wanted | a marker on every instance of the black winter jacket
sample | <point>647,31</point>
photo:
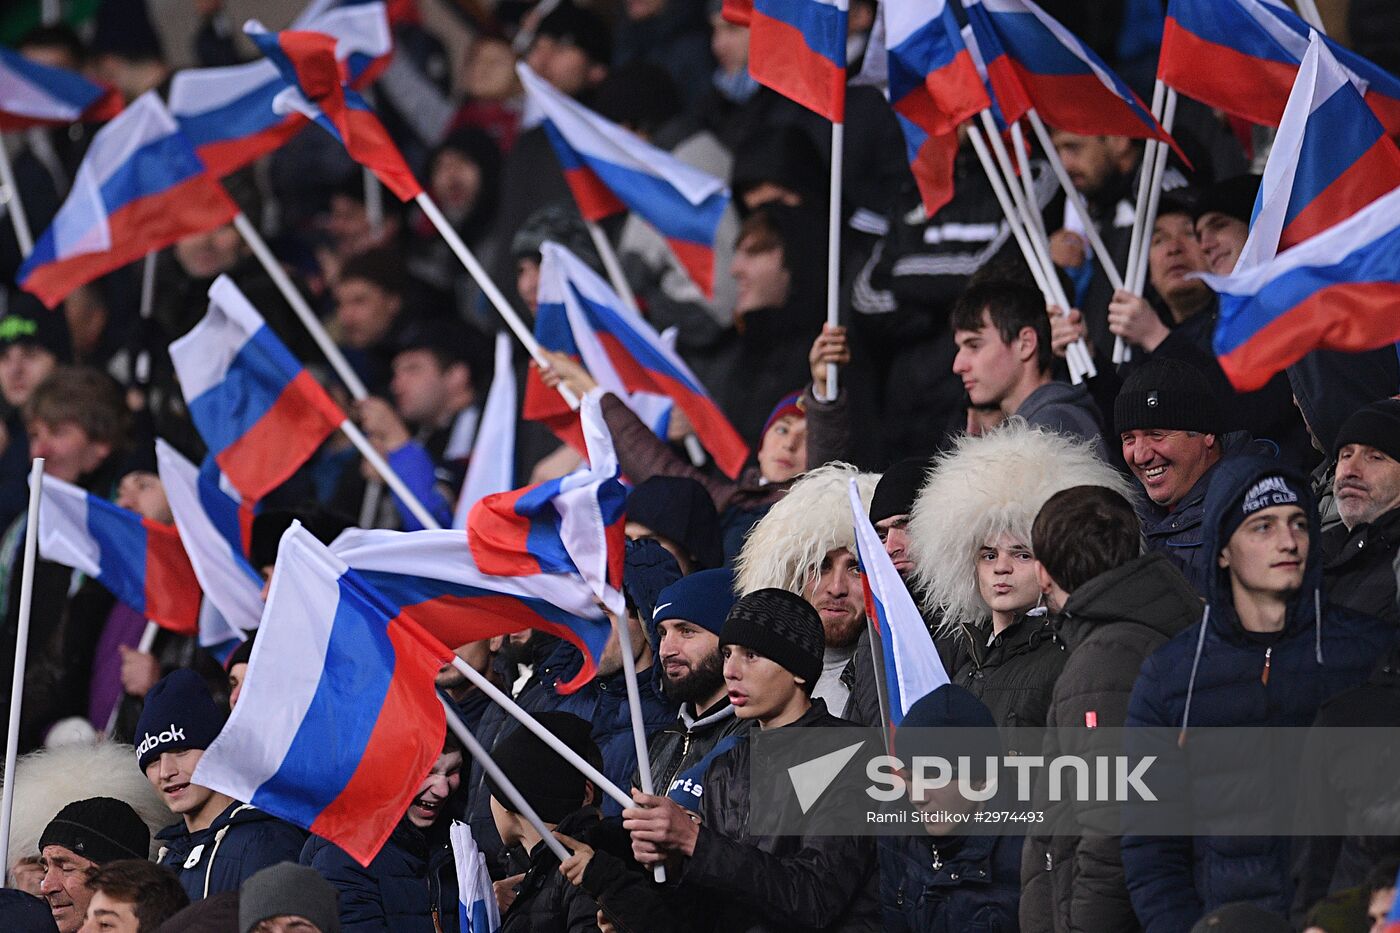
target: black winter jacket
<point>1014,672</point>
<point>241,841</point>
<point>411,886</point>
<point>1322,650</point>
<point>1363,567</point>
<point>1109,625</point>
<point>545,901</point>
<point>681,745</point>
<point>764,884</point>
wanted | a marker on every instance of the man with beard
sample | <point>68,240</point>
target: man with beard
<point>688,618</point>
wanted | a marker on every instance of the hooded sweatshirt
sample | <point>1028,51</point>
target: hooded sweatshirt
<point>1217,674</point>
<point>1068,409</point>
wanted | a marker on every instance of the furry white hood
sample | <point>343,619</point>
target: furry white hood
<point>984,486</point>
<point>787,545</point>
<point>52,778</point>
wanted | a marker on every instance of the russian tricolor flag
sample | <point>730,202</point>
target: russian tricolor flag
<point>610,170</point>
<point>200,508</point>
<point>140,187</point>
<point>634,352</point>
<point>315,86</point>
<point>228,113</point>
<point>433,578</point>
<point>1242,56</point>
<point>1331,158</point>
<point>910,667</point>
<point>932,84</point>
<point>257,408</point>
<point>476,898</point>
<point>338,720</point>
<point>1061,77</point>
<point>32,94</point>
<point>571,525</point>
<point>492,465</point>
<point>1336,291</point>
<point>141,562</point>
<point>798,48</point>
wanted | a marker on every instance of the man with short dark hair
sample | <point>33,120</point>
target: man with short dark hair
<point>132,896</point>
<point>1114,608</point>
<point>369,302</point>
<point>84,836</point>
<point>1004,359</point>
<point>1363,556</point>
<point>1222,220</point>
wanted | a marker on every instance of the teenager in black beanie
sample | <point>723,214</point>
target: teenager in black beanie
<point>772,644</point>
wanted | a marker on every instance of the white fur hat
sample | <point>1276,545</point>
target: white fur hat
<point>985,486</point>
<point>51,778</point>
<point>787,545</point>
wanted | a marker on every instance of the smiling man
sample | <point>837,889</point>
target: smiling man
<point>84,836</point>
<point>178,722</point>
<point>1169,425</point>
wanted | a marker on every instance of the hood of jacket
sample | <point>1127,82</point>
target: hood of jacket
<point>1233,477</point>
<point>1148,591</point>
<point>1055,394</point>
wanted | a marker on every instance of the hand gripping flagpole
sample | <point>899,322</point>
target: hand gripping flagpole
<point>489,289</point>
<point>1146,172</point>
<point>493,770</point>
<point>833,247</point>
<point>15,203</point>
<point>338,362</point>
<point>26,598</point>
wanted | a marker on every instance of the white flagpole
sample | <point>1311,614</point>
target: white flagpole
<point>1159,168</point>
<point>833,247</point>
<point>148,638</point>
<point>489,289</point>
<point>15,203</point>
<point>544,735</point>
<point>1115,278</point>
<point>634,706</point>
<point>1023,166</point>
<point>488,764</point>
<point>611,265</point>
<point>374,202</point>
<point>386,472</point>
<point>26,598</point>
<point>1121,351</point>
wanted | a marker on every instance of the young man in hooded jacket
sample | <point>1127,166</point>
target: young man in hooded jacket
<point>1269,652</point>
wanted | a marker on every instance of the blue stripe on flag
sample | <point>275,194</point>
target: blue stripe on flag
<point>256,377</point>
<point>121,540</point>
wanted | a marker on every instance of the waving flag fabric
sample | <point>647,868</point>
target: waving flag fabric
<point>433,578</point>
<point>1331,158</point>
<point>32,94</point>
<point>610,170</point>
<point>634,352</point>
<point>1336,291</point>
<point>139,561</point>
<point>910,666</point>
<point>562,526</point>
<point>738,12</point>
<point>228,113</point>
<point>798,48</point>
<point>338,720</point>
<point>315,87</point>
<point>492,466</point>
<point>1068,84</point>
<point>476,899</point>
<point>258,410</point>
<point>232,584</point>
<point>1253,49</point>
<point>140,187</point>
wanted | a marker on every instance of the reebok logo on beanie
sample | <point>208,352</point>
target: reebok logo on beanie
<point>152,742</point>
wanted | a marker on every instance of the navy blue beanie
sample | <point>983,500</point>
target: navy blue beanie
<point>179,714</point>
<point>704,598</point>
<point>949,722</point>
<point>678,508</point>
<point>647,569</point>
<point>25,913</point>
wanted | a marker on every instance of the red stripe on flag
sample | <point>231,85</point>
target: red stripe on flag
<point>780,59</point>
<point>281,440</point>
<point>948,97</point>
<point>595,199</point>
<point>1216,75</point>
<point>498,538</point>
<point>172,590</point>
<point>933,171</point>
<point>738,12</point>
<point>698,261</point>
<point>547,407</point>
<point>193,206</point>
<point>369,143</point>
<point>1376,173</point>
<point>1386,109</point>
<point>99,111</point>
<point>1071,102</point>
<point>406,740</point>
<point>1012,97</point>
<point>229,155</point>
<point>1351,316</point>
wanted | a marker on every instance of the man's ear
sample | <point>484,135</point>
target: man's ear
<point>1043,577</point>
<point>1027,344</point>
<point>1223,561</point>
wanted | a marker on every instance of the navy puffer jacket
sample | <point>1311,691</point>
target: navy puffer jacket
<point>1213,674</point>
<point>240,842</point>
<point>967,884</point>
<point>410,887</point>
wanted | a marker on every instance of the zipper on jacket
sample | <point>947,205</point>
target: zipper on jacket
<point>1264,676</point>
<point>437,926</point>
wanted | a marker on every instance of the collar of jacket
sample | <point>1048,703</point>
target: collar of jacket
<point>717,713</point>
<point>1382,535</point>
<point>234,814</point>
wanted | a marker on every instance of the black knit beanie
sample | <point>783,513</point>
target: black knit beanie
<point>1169,395</point>
<point>551,785</point>
<point>100,829</point>
<point>1377,425</point>
<point>781,626</point>
<point>1233,197</point>
<point>898,488</point>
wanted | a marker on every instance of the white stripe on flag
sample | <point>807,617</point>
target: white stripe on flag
<point>492,466</point>
<point>202,357</point>
<point>473,880</point>
<point>63,528</point>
